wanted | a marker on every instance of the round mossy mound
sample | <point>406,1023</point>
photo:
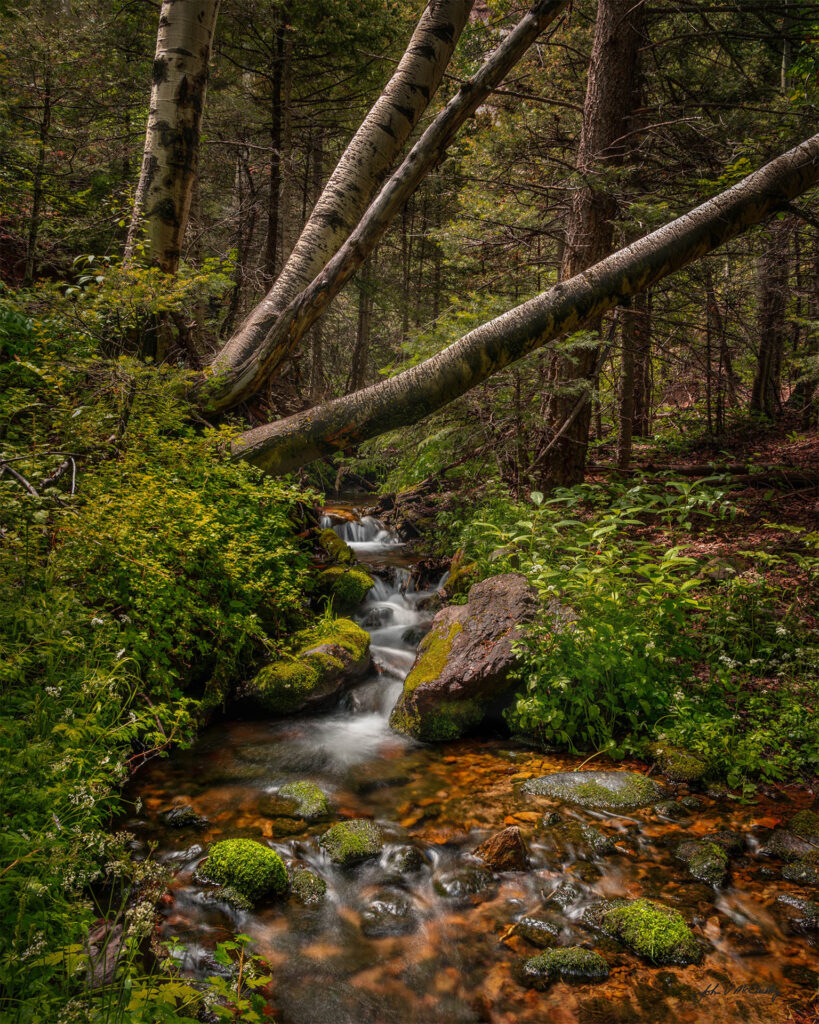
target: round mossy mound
<point>335,547</point>
<point>650,929</point>
<point>677,765</point>
<point>706,861</point>
<point>349,842</point>
<point>307,887</point>
<point>248,867</point>
<point>568,964</point>
<point>310,802</point>
<point>346,587</point>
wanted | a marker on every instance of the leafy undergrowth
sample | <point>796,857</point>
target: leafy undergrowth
<point>676,637</point>
<point>133,587</point>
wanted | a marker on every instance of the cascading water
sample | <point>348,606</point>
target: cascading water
<point>431,937</point>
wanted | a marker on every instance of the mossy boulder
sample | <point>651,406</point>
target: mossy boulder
<point>677,765</point>
<point>249,867</point>
<point>572,963</point>
<point>599,791</point>
<point>349,842</point>
<point>347,588</point>
<point>310,802</point>
<point>804,871</point>
<point>805,824</point>
<point>462,670</point>
<point>319,671</point>
<point>306,886</point>
<point>652,930</point>
<point>335,547</point>
<point>706,861</point>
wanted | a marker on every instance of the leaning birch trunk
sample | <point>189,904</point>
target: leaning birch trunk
<point>171,155</point>
<point>227,386</point>
<point>360,170</point>
<point>416,393</point>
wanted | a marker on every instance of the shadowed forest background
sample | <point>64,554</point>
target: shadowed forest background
<point>653,468</point>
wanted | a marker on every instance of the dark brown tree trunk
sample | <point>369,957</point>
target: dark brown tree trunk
<point>271,247</point>
<point>38,184</point>
<point>772,283</point>
<point>610,99</point>
<point>361,350</point>
<point>316,334</point>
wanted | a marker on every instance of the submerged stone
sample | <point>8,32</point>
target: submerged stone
<point>252,869</point>
<point>805,824</point>
<point>787,845</point>
<point>601,791</point>
<point>388,913</point>
<point>464,882</point>
<point>504,851</point>
<point>804,871</point>
<point>352,841</point>
<point>184,817</point>
<point>311,803</point>
<point>574,839</point>
<point>565,895</point>
<point>228,895</point>
<point>734,843</point>
<point>403,860</point>
<point>306,886</point>
<point>706,861</point>
<point>650,929</point>
<point>569,964</point>
<point>802,914</point>
<point>672,809</point>
<point>539,930</point>
<point>462,670</point>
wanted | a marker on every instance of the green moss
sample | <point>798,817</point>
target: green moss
<point>653,931</point>
<point>433,653</point>
<point>283,686</point>
<point>804,871</point>
<point>598,790</point>
<point>335,547</point>
<point>461,578</point>
<point>306,886</point>
<point>706,861</point>
<point>584,840</point>
<point>248,867</point>
<point>351,841</point>
<point>309,799</point>
<point>346,587</point>
<point>678,765</point>
<point>341,632</point>
<point>231,895</point>
<point>569,964</point>
<point>805,824</point>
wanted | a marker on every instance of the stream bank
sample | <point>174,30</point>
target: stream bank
<point>424,931</point>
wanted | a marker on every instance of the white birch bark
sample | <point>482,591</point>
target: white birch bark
<point>171,154</point>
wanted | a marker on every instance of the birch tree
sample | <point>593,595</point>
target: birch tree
<point>171,154</point>
<point>570,305</point>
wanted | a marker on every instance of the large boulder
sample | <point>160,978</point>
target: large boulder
<point>461,672</point>
<point>318,672</point>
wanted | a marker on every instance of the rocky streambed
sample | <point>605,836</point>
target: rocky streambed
<point>479,880</point>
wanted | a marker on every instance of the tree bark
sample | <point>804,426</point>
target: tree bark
<point>361,349</point>
<point>275,180</point>
<point>38,183</point>
<point>231,382</point>
<point>359,172</point>
<point>171,155</point>
<point>772,281</point>
<point>611,96</point>
<point>423,389</point>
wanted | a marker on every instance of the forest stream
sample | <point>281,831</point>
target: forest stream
<point>427,936</point>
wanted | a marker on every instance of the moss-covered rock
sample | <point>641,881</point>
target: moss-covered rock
<point>463,666</point>
<point>572,963</point>
<point>804,871</point>
<point>311,803</point>
<point>650,929</point>
<point>805,824</point>
<point>306,886</point>
<point>706,861</point>
<point>577,840</point>
<point>335,547</point>
<point>184,817</point>
<point>228,895</point>
<point>247,866</point>
<point>464,883</point>
<point>347,588</point>
<point>319,670</point>
<point>600,791</point>
<point>677,765</point>
<point>349,842</point>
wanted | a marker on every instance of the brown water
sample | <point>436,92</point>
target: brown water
<point>456,960</point>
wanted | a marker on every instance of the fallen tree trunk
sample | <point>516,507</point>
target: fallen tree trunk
<point>416,393</point>
<point>234,379</point>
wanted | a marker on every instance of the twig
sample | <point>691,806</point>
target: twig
<point>6,468</point>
